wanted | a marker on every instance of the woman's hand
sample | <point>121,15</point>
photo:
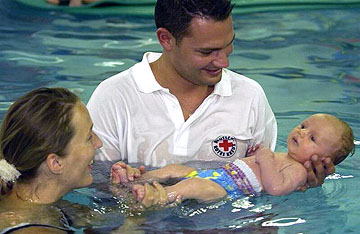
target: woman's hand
<point>150,195</point>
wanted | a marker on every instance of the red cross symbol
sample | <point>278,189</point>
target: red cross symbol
<point>226,145</point>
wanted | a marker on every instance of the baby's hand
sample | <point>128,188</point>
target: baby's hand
<point>123,173</point>
<point>263,154</point>
<point>251,151</point>
<point>150,195</point>
<point>138,191</point>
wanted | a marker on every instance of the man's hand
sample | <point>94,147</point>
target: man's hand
<point>251,151</point>
<point>317,170</point>
<point>123,173</point>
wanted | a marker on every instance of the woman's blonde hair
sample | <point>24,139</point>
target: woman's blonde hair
<point>37,124</point>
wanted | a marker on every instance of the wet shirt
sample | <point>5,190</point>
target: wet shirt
<point>142,122</point>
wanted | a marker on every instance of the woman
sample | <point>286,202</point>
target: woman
<point>46,149</point>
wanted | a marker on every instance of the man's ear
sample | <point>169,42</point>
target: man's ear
<point>166,39</point>
<point>55,163</point>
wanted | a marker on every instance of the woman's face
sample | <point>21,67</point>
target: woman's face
<point>81,150</point>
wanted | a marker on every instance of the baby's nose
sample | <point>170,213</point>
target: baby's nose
<point>303,132</point>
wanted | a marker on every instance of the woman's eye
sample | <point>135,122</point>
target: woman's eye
<point>302,126</point>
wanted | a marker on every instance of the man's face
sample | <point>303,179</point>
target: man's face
<point>202,54</point>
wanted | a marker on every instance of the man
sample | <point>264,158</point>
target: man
<point>183,104</point>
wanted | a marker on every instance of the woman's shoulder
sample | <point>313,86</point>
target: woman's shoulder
<point>26,215</point>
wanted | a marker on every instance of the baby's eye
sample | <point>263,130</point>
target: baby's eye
<point>302,126</point>
<point>312,138</point>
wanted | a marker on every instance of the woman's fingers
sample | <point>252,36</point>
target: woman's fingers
<point>162,193</point>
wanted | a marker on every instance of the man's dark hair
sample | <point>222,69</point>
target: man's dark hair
<point>176,15</point>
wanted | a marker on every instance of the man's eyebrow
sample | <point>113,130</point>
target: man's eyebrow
<point>219,48</point>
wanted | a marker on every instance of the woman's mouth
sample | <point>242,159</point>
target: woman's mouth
<point>90,164</point>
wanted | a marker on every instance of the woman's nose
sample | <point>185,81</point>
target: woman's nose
<point>97,142</point>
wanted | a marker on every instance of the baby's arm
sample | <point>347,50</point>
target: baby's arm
<point>275,182</point>
<point>168,172</point>
<point>123,173</point>
<point>200,189</point>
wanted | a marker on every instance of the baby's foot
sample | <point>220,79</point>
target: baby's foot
<point>139,192</point>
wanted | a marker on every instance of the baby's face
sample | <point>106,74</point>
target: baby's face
<point>318,135</point>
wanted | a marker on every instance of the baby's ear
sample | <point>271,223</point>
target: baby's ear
<point>54,163</point>
<point>339,159</point>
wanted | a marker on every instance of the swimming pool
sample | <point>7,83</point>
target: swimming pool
<point>306,61</point>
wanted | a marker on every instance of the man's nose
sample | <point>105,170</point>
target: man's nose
<point>221,57</point>
<point>221,60</point>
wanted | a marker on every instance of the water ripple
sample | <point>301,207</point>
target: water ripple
<point>30,58</point>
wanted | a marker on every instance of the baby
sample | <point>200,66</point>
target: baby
<point>277,174</point>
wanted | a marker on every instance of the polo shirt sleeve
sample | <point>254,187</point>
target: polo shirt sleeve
<point>103,110</point>
<point>265,130</point>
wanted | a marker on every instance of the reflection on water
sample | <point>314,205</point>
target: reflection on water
<point>307,62</point>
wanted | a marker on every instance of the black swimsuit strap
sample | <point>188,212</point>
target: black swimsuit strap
<point>27,225</point>
<point>65,221</point>
<point>64,2</point>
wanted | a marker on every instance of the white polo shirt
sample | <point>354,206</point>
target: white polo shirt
<point>142,122</point>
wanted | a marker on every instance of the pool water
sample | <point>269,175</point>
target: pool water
<point>306,61</point>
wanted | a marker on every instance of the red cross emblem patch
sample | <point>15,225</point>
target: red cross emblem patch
<point>224,146</point>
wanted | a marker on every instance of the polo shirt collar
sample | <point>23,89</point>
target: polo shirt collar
<point>146,82</point>
<point>143,75</point>
<point>223,88</point>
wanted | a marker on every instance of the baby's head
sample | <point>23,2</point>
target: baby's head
<point>323,135</point>
<point>346,140</point>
